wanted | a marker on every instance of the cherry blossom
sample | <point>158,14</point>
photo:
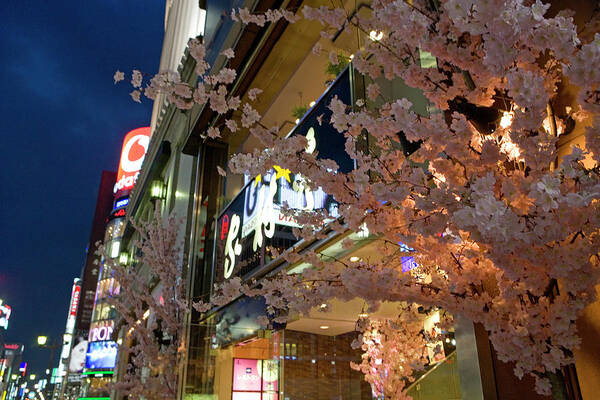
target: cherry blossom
<point>119,76</point>
<point>135,95</point>
<point>472,187</point>
<point>152,320</point>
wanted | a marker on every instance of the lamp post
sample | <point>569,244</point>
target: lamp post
<point>42,342</point>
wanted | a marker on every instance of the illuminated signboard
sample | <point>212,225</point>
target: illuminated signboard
<point>101,331</point>
<point>134,150</point>
<point>408,263</point>
<point>75,300</point>
<point>119,213</point>
<point>101,355</point>
<point>78,355</point>
<point>253,221</point>
<point>5,311</point>
<point>121,203</point>
<point>74,303</point>
<point>255,379</point>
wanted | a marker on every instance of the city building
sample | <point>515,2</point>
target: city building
<point>230,354</point>
<point>68,377</point>
<point>10,362</point>
<point>101,351</point>
<point>89,274</point>
<point>76,336</point>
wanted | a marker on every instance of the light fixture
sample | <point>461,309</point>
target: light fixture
<point>324,327</point>
<point>114,249</point>
<point>354,259</point>
<point>453,342</point>
<point>351,56</point>
<point>42,340</point>
<point>297,121</point>
<point>32,377</point>
<point>323,305</point>
<point>507,119</point>
<point>363,312</point>
<point>14,377</point>
<point>375,36</point>
<point>123,258</point>
<point>146,314</point>
<point>158,190</point>
<point>311,104</point>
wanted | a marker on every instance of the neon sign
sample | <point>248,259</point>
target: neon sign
<point>135,146</point>
<point>121,203</point>
<point>5,311</point>
<point>75,300</point>
<point>120,213</point>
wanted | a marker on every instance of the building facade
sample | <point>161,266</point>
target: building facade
<point>230,355</point>
<point>89,273</point>
<point>101,350</point>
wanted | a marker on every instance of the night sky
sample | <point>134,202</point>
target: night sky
<point>62,122</point>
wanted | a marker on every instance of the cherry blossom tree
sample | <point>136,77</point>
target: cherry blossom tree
<point>151,306</point>
<point>503,233</point>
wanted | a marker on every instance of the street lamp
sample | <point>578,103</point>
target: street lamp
<point>42,342</point>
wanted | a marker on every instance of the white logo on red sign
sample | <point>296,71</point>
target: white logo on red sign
<point>134,150</point>
<point>132,158</point>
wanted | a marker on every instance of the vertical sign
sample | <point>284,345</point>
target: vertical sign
<point>135,146</point>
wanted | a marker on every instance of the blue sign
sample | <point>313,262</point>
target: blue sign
<point>101,355</point>
<point>121,203</point>
<point>408,263</point>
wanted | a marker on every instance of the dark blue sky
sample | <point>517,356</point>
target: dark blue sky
<point>62,122</point>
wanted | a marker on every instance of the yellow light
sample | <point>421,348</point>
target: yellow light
<point>158,190</point>
<point>351,56</point>
<point>354,259</point>
<point>146,314</point>
<point>323,305</point>
<point>363,315</point>
<point>312,103</point>
<point>375,36</point>
<point>123,257</point>
<point>32,377</point>
<point>297,120</point>
<point>507,119</point>
<point>324,327</point>
<point>42,340</point>
<point>14,377</point>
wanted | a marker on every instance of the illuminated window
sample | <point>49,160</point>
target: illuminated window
<point>114,250</point>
